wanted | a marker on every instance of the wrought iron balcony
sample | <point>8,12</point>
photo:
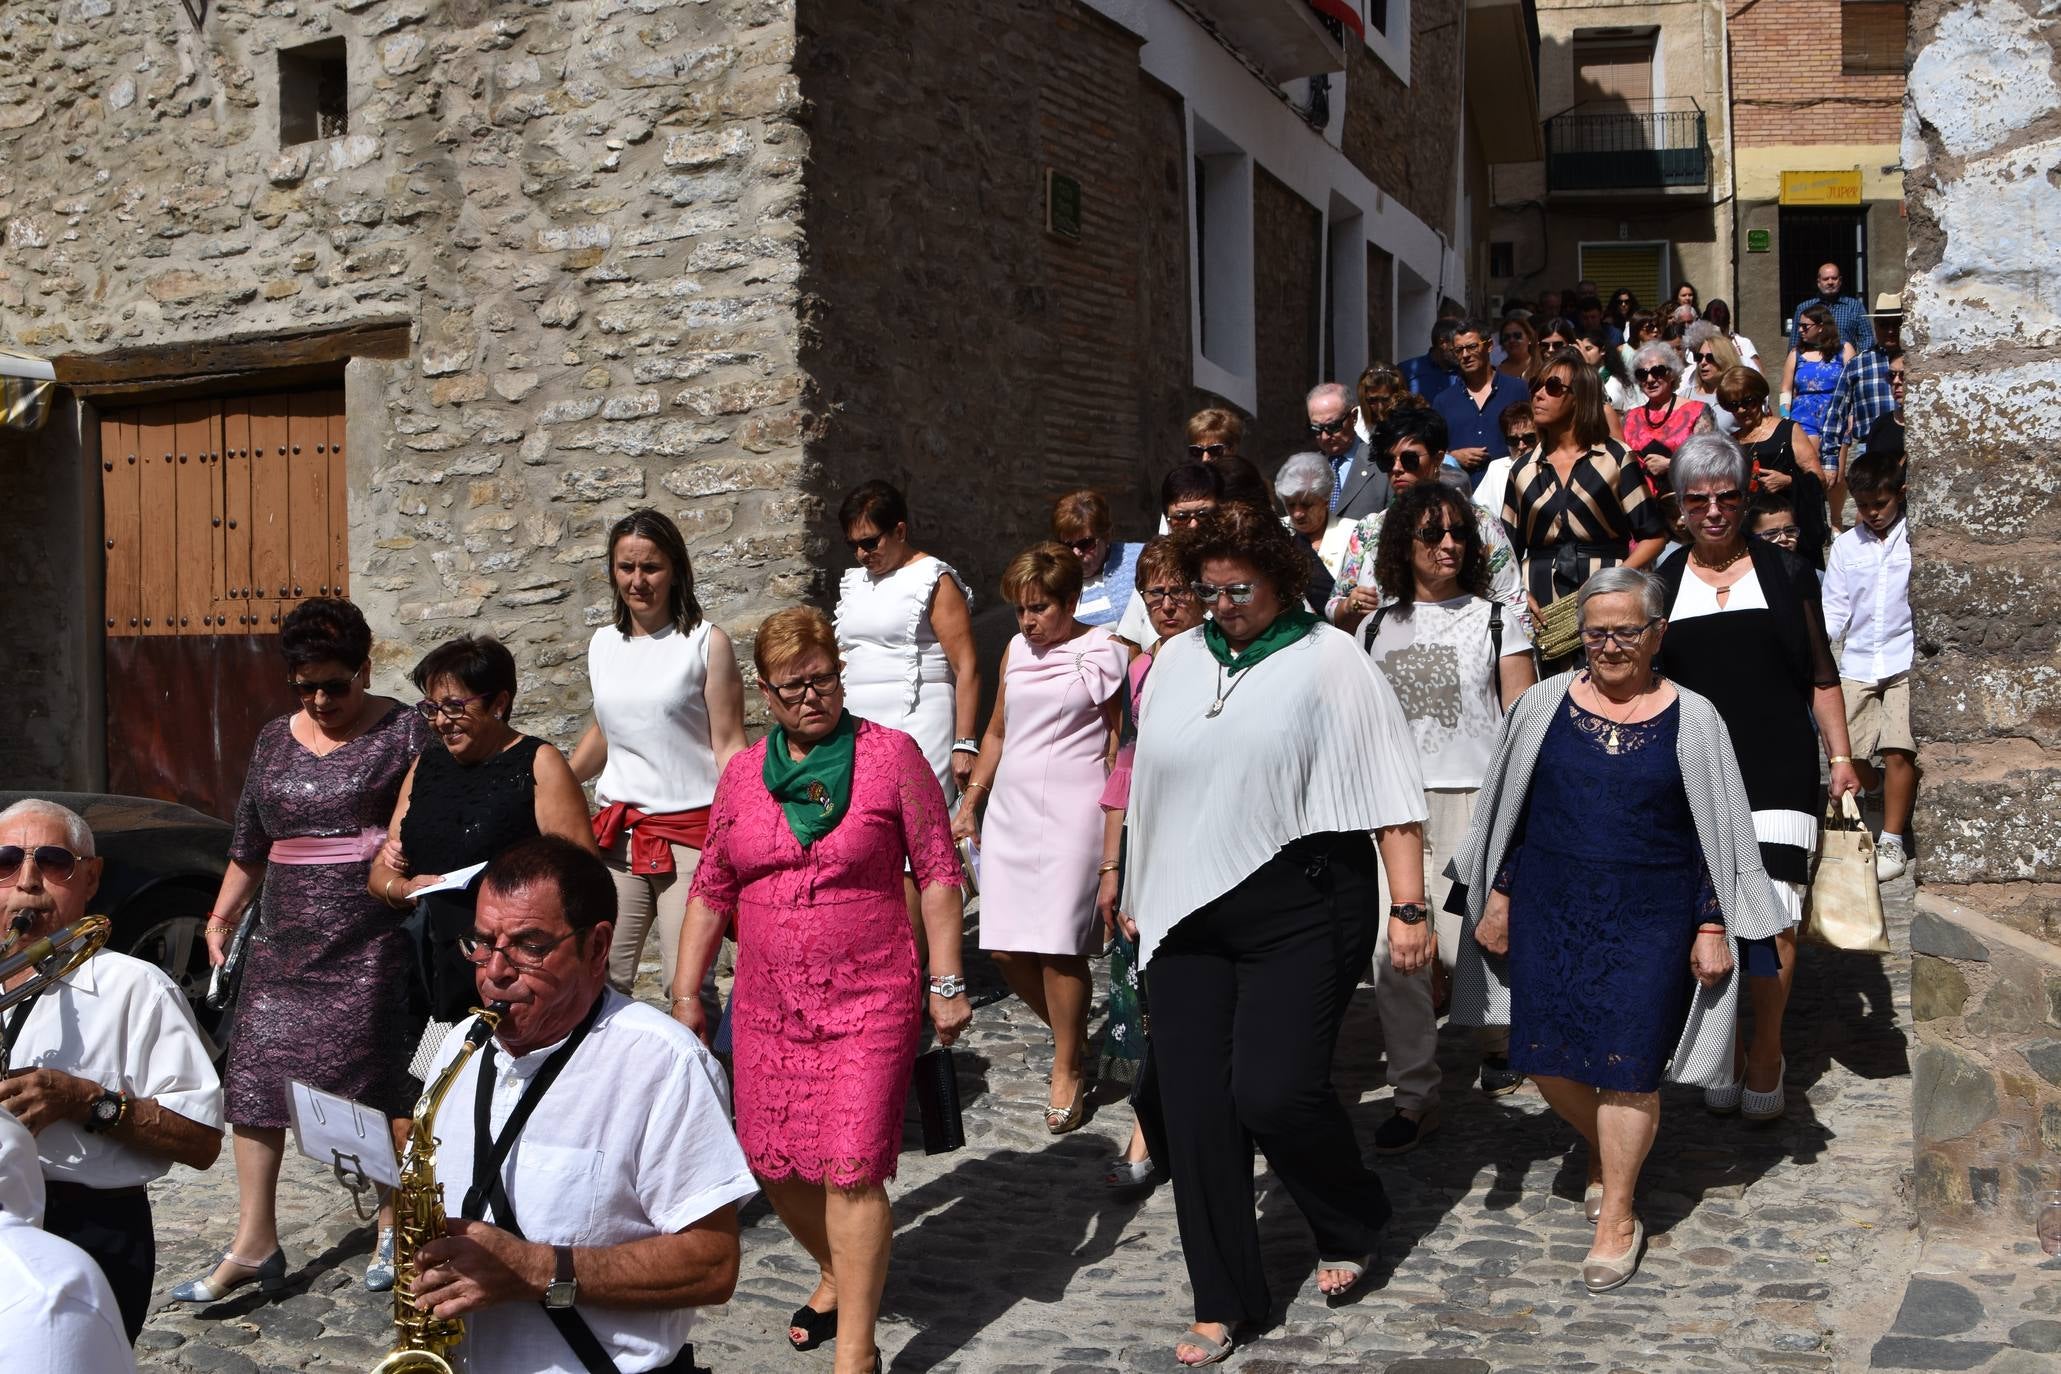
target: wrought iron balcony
<point>1605,148</point>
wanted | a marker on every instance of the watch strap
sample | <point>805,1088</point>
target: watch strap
<point>564,1271</point>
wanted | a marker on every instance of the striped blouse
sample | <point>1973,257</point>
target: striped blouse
<point>1564,533</point>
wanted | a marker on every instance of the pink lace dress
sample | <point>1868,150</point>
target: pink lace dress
<point>829,996</point>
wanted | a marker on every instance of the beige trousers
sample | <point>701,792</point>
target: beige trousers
<point>643,901</point>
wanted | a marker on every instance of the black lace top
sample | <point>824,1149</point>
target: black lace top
<point>463,814</point>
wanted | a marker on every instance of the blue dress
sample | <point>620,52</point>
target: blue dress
<point>1815,383</point>
<point>1607,886</point>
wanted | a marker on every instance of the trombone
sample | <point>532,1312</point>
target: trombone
<point>52,957</point>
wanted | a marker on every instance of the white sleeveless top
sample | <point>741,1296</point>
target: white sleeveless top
<point>650,696</point>
<point>895,670</point>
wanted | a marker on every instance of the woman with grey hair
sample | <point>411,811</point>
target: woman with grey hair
<point>1745,628</point>
<point>1304,486</point>
<point>1657,426</point>
<point>1609,958</point>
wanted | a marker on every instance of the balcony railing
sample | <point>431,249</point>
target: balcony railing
<point>1601,148</point>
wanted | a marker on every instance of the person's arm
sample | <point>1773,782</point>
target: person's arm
<point>701,934</point>
<point>1828,708</point>
<point>1644,552</point>
<point>1788,381</point>
<point>951,619</point>
<point>1614,418</point>
<point>560,804</point>
<point>1836,599</point>
<point>240,881</point>
<point>1106,879</point>
<point>1846,351</point>
<point>43,1096</point>
<point>724,695</point>
<point>476,1266</point>
<point>1516,674</point>
<point>1410,947</point>
<point>389,879</point>
<point>1350,602</point>
<point>590,755</point>
<point>1705,423</point>
<point>981,778</point>
<point>1805,450</point>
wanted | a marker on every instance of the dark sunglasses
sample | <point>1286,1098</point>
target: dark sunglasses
<point>1405,458</point>
<point>866,545</point>
<point>1205,452</point>
<point>1696,500</point>
<point>1187,517</point>
<point>329,687</point>
<point>1552,386</point>
<point>1329,427</point>
<point>1082,547</point>
<point>1433,535</point>
<point>1707,358</point>
<point>1654,374</point>
<point>1524,439</point>
<point>54,861</point>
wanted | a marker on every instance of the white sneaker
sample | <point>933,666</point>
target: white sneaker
<point>1890,859</point>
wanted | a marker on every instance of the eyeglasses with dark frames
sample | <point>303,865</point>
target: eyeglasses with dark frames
<point>1083,547</point>
<point>1524,438</point>
<point>1187,515</point>
<point>1165,596</point>
<point>1696,500</point>
<point>453,707</point>
<point>1710,358</point>
<point>1431,536</point>
<point>1408,459</point>
<point>1337,426</point>
<point>53,861</point>
<point>1204,453</point>
<point>526,953</point>
<point>1653,374</point>
<point>866,545</point>
<point>796,691</point>
<point>331,687</point>
<point>1556,387</point>
<point>1617,638</point>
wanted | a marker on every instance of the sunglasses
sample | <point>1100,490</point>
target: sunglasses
<point>53,861</point>
<point>1191,515</point>
<point>332,687</point>
<point>1431,536</point>
<point>1512,337</point>
<point>866,545</point>
<point>1524,438</point>
<point>453,707</point>
<point>1552,386</point>
<point>1328,427</point>
<point>1730,496</point>
<point>1241,593</point>
<point>1082,547</point>
<point>1408,459</point>
<point>1205,452</point>
<point>1710,358</point>
<point>1654,374</point>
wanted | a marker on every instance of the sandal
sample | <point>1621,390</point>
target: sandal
<point>1061,1120</point>
<point>1357,1268</point>
<point>1132,1173</point>
<point>1215,1351</point>
<point>820,1326</point>
<point>269,1274</point>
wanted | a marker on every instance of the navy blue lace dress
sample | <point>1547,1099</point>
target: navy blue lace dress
<point>1607,884</point>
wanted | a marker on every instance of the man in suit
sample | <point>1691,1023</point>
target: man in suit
<point>1358,485</point>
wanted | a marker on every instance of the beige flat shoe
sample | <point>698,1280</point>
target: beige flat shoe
<point>1592,1202</point>
<point>1603,1275</point>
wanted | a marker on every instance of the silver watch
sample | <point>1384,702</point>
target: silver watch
<point>947,985</point>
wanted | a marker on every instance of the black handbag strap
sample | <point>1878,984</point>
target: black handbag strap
<point>1495,651</point>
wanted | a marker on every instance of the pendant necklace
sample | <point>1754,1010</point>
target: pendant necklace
<point>1216,708</point>
<point>1610,736</point>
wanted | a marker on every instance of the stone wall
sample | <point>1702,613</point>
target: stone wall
<point>52,575</point>
<point>1985,416</point>
<point>1287,277</point>
<point>589,210</point>
<point>1398,135</point>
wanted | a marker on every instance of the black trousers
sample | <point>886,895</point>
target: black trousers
<point>112,1225</point>
<point>1247,997</point>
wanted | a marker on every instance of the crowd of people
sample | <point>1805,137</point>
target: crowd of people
<point>1353,723</point>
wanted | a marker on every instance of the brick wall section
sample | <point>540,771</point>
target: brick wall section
<point>1168,369</point>
<point>1288,264</point>
<point>1787,83</point>
<point>1381,341</point>
<point>1403,137</point>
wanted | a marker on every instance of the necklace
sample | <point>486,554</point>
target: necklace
<point>1719,567</point>
<point>1216,708</point>
<point>1611,738</point>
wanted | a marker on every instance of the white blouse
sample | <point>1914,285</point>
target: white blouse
<point>1310,741</point>
<point>651,699</point>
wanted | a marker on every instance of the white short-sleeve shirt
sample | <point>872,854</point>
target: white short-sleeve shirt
<point>632,1140</point>
<point>1447,676</point>
<point>123,1024</point>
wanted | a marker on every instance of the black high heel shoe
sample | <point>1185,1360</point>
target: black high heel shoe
<point>820,1326</point>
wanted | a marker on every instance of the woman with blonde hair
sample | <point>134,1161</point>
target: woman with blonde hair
<point>1214,433</point>
<point>1521,352</point>
<point>1040,770</point>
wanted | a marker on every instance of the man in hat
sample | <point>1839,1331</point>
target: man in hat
<point>1863,395</point>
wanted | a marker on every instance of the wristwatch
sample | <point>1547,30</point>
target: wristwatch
<point>1409,913</point>
<point>966,746</point>
<point>947,985</point>
<point>106,1112</point>
<point>563,1288</point>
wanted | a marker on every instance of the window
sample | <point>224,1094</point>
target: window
<point>314,92</point>
<point>1502,258</point>
<point>1387,27</point>
<point>1223,271</point>
<point>1613,71</point>
<point>1375,14</point>
<point>1871,37</point>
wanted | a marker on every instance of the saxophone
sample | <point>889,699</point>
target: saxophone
<point>422,1340</point>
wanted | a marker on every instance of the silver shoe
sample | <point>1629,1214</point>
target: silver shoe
<point>1770,1105</point>
<point>379,1272</point>
<point>270,1275</point>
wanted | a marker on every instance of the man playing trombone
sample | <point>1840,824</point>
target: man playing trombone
<point>103,1065</point>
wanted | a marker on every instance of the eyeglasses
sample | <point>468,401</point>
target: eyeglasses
<point>1187,515</point>
<point>795,692</point>
<point>1730,496</point>
<point>1407,459</point>
<point>1524,438</point>
<point>530,953</point>
<point>1165,596</point>
<point>1654,374</point>
<point>453,707</point>
<point>1553,386</point>
<point>331,687</point>
<point>1203,453</point>
<point>53,861</point>
<point>1780,534</point>
<point>1710,358</point>
<point>1241,593</point>
<point>1616,639</point>
<point>1431,536</point>
<point>1082,547</point>
<point>1474,347</point>
<point>1552,341</point>
<point>1328,426</point>
<point>866,545</point>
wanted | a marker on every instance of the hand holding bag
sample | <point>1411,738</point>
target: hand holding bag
<point>937,1095</point>
<point>1844,907</point>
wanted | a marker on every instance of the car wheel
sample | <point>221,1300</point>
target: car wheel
<point>171,933</point>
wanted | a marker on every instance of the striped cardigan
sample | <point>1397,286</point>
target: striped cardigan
<point>1724,829</point>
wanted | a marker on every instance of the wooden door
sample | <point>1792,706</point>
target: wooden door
<point>220,515</point>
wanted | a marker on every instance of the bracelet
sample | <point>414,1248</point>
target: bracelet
<point>947,985</point>
<point>981,785</point>
<point>1839,758</point>
<point>966,746</point>
<point>1108,866</point>
<point>678,1000</point>
<point>216,924</point>
<point>386,893</point>
<point>1710,930</point>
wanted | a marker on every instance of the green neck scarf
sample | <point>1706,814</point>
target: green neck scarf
<point>815,790</point>
<point>1288,627</point>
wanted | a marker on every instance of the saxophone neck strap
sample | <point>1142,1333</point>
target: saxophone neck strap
<point>12,1030</point>
<point>490,1152</point>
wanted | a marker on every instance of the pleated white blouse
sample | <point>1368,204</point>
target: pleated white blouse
<point>1310,740</point>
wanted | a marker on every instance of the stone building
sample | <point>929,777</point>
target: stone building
<point>1980,148</point>
<point>411,300</point>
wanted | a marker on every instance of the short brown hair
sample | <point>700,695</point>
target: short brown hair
<point>1216,420</point>
<point>1737,384</point>
<point>1161,555</point>
<point>1048,567</point>
<point>1243,531</point>
<point>1080,515</point>
<point>1512,413</point>
<point>786,635</point>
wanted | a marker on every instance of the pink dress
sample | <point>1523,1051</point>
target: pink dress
<point>829,996</point>
<point>1041,840</point>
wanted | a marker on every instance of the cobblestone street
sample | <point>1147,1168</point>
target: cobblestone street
<point>1782,1247</point>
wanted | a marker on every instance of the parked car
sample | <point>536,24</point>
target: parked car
<point>164,864</point>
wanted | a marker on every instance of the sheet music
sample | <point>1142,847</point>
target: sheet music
<point>457,880</point>
<point>345,1135</point>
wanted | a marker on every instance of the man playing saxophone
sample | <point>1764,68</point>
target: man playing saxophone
<point>585,1152</point>
<point>104,1066</point>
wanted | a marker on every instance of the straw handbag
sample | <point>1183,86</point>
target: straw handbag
<point>1844,907</point>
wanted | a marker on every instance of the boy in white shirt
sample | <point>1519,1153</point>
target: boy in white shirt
<point>1867,601</point>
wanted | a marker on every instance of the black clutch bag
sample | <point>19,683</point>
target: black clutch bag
<point>937,1095</point>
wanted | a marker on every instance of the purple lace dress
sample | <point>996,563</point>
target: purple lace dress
<point>324,996</point>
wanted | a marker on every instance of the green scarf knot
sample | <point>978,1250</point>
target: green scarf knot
<point>814,790</point>
<point>1288,627</point>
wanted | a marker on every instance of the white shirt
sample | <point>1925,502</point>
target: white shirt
<point>123,1024</point>
<point>632,1140</point>
<point>56,1309</point>
<point>1309,741</point>
<point>651,699</point>
<point>1867,601</point>
<point>1440,662</point>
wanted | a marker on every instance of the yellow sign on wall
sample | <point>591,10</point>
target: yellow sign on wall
<point>1822,188</point>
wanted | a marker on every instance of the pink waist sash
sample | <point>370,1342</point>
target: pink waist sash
<point>328,849</point>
